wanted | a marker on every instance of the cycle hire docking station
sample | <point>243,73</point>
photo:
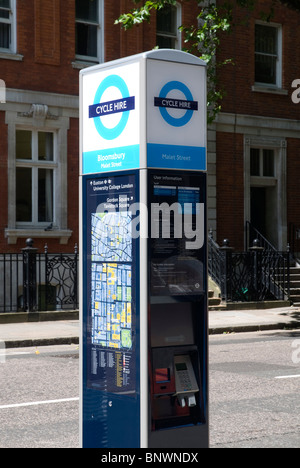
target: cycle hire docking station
<point>144,286</point>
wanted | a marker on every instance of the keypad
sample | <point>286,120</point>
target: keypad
<point>185,380</point>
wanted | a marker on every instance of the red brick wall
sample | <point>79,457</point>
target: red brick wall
<point>3,181</point>
<point>73,180</point>
<point>238,78</point>
<point>120,43</point>
<point>293,174</point>
<point>48,47</point>
<point>230,189</point>
<point>46,39</point>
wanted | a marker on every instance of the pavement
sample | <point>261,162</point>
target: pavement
<point>237,321</point>
<point>45,333</point>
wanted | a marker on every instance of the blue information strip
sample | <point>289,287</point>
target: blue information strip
<point>113,159</point>
<point>112,107</point>
<point>176,157</point>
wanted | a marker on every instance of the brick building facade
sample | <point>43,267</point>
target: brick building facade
<point>258,130</point>
<point>43,46</point>
<point>253,145</point>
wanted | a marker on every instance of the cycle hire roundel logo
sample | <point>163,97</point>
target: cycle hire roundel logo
<point>167,103</point>
<point>99,111</point>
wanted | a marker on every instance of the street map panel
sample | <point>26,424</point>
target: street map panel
<point>111,305</point>
<point>112,237</point>
<point>112,282</point>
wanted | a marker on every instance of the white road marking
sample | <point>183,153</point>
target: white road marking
<point>288,377</point>
<point>35,403</point>
<point>7,354</point>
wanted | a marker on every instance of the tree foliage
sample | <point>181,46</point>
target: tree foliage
<point>203,38</point>
<point>291,4</point>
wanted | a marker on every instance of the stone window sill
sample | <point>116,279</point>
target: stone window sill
<point>13,235</point>
<point>10,56</point>
<point>269,90</point>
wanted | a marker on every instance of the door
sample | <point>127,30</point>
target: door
<point>258,209</point>
<point>264,212</point>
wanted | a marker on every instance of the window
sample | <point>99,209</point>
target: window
<point>268,55</point>
<point>37,167</point>
<point>167,27</point>
<point>7,26</point>
<point>88,30</point>
<point>262,162</point>
<point>35,178</point>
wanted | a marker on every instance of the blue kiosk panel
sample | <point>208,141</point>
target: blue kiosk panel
<point>111,387</point>
<point>177,291</point>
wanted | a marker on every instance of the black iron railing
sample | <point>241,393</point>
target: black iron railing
<point>11,282</point>
<point>252,234</point>
<point>32,281</point>
<point>294,240</point>
<point>257,274</point>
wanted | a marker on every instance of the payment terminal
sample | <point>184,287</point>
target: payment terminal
<point>185,381</point>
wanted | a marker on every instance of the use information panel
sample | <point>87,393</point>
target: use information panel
<point>111,291</point>
<point>178,259</point>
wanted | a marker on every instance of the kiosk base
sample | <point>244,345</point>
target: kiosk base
<point>184,437</point>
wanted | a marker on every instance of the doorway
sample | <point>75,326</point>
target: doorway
<point>264,213</point>
<point>258,209</point>
<point>265,187</point>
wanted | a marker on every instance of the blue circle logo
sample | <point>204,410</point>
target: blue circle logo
<point>182,121</point>
<point>109,82</point>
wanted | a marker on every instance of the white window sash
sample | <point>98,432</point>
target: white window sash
<point>35,164</point>
<point>100,36</point>
<point>176,35</point>
<point>278,55</point>
<point>12,21</point>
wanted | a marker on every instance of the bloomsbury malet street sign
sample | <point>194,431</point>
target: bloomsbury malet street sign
<point>132,123</point>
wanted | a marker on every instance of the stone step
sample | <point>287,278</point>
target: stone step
<point>218,307</point>
<point>295,285</point>
<point>214,301</point>
<point>295,298</point>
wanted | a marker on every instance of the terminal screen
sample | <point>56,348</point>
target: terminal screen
<point>177,231</point>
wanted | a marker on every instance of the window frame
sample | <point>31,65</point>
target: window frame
<point>12,49</point>
<point>178,36</point>
<point>261,163</point>
<point>100,36</point>
<point>35,164</point>
<point>279,60</point>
